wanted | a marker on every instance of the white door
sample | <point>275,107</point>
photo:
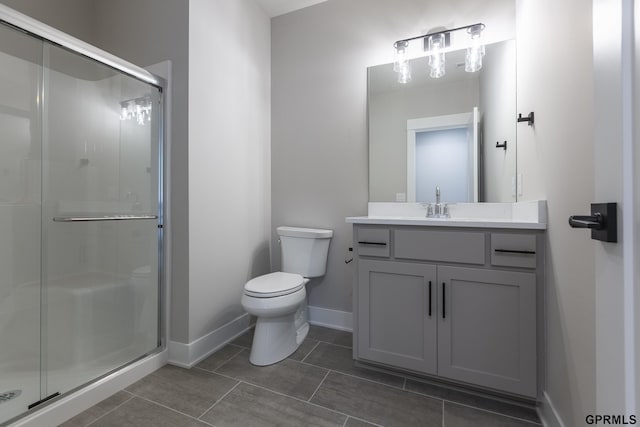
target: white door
<point>616,180</point>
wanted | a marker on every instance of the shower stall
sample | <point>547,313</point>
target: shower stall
<point>80,216</point>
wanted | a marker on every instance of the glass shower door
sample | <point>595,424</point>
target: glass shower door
<point>99,219</point>
<point>20,156</point>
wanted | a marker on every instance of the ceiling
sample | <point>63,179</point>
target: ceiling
<point>280,7</point>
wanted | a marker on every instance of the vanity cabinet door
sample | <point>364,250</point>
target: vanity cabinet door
<point>397,314</point>
<point>487,328</point>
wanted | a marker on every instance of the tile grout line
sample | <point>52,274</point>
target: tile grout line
<point>478,407</point>
<point>108,412</point>
<point>219,400</point>
<point>241,349</point>
<point>174,410</point>
<point>312,350</point>
<point>362,378</point>
<point>299,399</point>
<point>337,345</point>
<point>319,385</point>
<point>364,421</point>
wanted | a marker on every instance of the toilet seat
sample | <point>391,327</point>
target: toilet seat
<point>274,285</point>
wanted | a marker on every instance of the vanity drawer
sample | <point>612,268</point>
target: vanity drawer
<point>513,250</point>
<point>448,246</point>
<point>373,241</point>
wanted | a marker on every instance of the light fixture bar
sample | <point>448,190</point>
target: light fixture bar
<point>426,36</point>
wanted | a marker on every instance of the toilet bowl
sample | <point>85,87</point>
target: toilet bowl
<point>275,299</point>
<point>278,300</point>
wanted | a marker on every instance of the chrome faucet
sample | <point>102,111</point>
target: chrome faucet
<point>437,209</point>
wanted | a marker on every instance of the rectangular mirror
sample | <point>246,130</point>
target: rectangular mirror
<point>443,132</point>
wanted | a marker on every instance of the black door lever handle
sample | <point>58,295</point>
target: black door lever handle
<point>602,222</point>
<point>595,221</point>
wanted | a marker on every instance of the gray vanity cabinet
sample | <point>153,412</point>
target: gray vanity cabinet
<point>437,302</point>
<point>487,328</point>
<point>397,314</point>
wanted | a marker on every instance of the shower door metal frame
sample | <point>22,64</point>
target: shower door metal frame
<point>49,34</point>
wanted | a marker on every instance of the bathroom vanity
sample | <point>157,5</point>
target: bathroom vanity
<point>456,298</point>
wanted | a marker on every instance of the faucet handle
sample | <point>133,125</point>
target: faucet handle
<point>430,210</point>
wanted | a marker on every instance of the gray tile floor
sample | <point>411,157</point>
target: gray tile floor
<point>318,385</point>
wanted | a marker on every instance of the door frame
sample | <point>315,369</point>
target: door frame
<point>435,123</point>
<point>616,160</point>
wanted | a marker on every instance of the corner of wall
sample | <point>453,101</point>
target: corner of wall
<point>548,414</point>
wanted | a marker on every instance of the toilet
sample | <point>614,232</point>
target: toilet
<point>279,300</point>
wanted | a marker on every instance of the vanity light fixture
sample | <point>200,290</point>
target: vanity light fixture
<point>434,45</point>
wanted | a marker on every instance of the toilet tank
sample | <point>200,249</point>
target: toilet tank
<point>304,250</point>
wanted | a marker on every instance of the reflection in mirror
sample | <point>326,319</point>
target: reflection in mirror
<point>444,131</point>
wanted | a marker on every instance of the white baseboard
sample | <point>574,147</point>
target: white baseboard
<point>334,319</point>
<point>71,405</point>
<point>548,414</point>
<point>188,355</point>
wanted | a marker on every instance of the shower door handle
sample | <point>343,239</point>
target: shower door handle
<point>102,218</point>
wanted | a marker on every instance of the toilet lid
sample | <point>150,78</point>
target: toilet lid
<point>274,284</point>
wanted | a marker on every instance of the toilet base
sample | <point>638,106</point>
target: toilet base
<point>276,338</point>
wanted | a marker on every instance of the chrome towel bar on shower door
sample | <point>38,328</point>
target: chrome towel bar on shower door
<point>102,218</point>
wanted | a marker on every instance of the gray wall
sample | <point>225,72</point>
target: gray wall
<point>229,169</point>
<point>146,32</point>
<point>556,159</point>
<point>319,111</point>
<point>75,17</point>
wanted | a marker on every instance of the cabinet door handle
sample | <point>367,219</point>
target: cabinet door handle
<point>444,302</point>
<point>429,298</point>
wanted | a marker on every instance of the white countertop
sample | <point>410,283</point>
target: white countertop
<point>530,215</point>
<point>447,222</point>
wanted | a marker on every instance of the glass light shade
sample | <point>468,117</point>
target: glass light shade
<point>475,52</point>
<point>436,56</point>
<point>404,73</point>
<point>401,55</point>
